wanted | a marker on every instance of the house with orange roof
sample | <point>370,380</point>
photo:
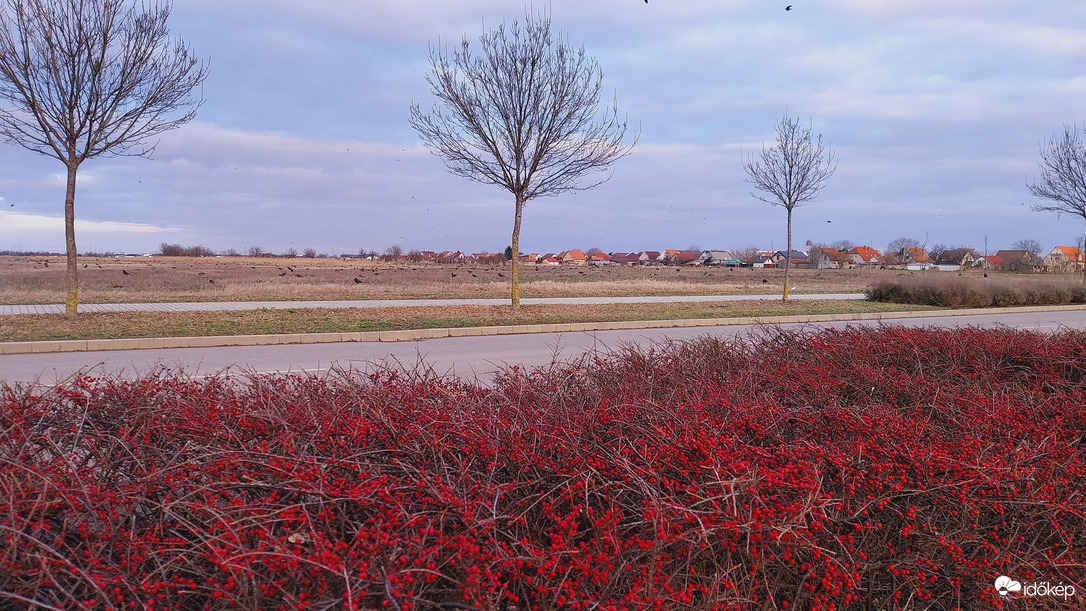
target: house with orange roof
<point>829,258</point>
<point>573,257</point>
<point>865,255</point>
<point>599,258</point>
<point>915,258</point>
<point>1065,259</point>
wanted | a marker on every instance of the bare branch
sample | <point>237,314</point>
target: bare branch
<point>523,114</point>
<point>85,78</point>
<point>791,173</point>
<point>794,170</point>
<point>1062,178</point>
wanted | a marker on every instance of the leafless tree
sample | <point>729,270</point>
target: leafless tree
<point>1062,180</point>
<point>84,78</point>
<point>524,115</point>
<point>748,254</point>
<point>937,251</point>
<point>899,243</point>
<point>1033,247</point>
<point>791,173</point>
<point>843,245</point>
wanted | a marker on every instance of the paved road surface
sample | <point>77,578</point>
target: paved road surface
<point>466,357</point>
<point>220,306</point>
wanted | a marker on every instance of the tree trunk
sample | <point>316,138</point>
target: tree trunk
<point>788,256</point>
<point>71,306</point>
<point>515,272</point>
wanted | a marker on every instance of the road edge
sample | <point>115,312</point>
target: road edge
<point>94,345</point>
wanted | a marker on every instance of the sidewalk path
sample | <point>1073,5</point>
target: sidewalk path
<point>235,306</point>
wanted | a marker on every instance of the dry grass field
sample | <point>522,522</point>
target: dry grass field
<point>329,320</point>
<point>39,280</point>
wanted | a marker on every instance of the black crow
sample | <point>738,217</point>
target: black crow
<point>125,272</point>
<point>787,8</point>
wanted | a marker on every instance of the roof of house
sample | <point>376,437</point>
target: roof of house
<point>625,257</point>
<point>650,254</point>
<point>834,255</point>
<point>576,255</point>
<point>1071,252</point>
<point>867,253</point>
<point>796,255</point>
<point>685,257</point>
<point>1014,257</point>
<point>917,254</point>
<point>954,256</point>
<point>600,256</point>
<point>994,259</point>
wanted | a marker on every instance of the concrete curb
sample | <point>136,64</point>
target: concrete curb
<point>422,334</point>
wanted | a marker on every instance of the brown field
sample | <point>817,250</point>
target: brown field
<point>321,320</point>
<point>40,280</point>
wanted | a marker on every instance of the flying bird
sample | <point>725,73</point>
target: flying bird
<point>787,8</point>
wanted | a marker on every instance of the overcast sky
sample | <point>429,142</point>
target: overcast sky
<point>934,109</point>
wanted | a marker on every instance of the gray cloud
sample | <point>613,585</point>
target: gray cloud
<point>935,111</point>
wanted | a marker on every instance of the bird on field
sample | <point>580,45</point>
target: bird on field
<point>210,281</point>
<point>298,275</point>
<point>501,275</point>
<point>357,281</point>
<point>282,274</point>
<point>764,281</point>
<point>290,268</point>
<point>454,274</point>
<point>473,275</point>
<point>125,272</point>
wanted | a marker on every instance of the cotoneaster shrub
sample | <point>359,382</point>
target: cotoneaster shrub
<point>859,469</point>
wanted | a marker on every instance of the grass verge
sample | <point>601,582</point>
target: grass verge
<point>267,322</point>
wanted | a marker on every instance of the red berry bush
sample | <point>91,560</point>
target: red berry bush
<point>860,469</point>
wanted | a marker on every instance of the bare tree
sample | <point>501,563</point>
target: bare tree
<point>84,78</point>
<point>937,251</point>
<point>523,115</point>
<point>748,254</point>
<point>843,245</point>
<point>1062,180</point>
<point>791,173</point>
<point>1033,247</point>
<point>900,243</point>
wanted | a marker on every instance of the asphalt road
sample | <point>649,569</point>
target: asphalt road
<point>469,357</point>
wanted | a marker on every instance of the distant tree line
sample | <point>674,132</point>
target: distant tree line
<point>177,250</point>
